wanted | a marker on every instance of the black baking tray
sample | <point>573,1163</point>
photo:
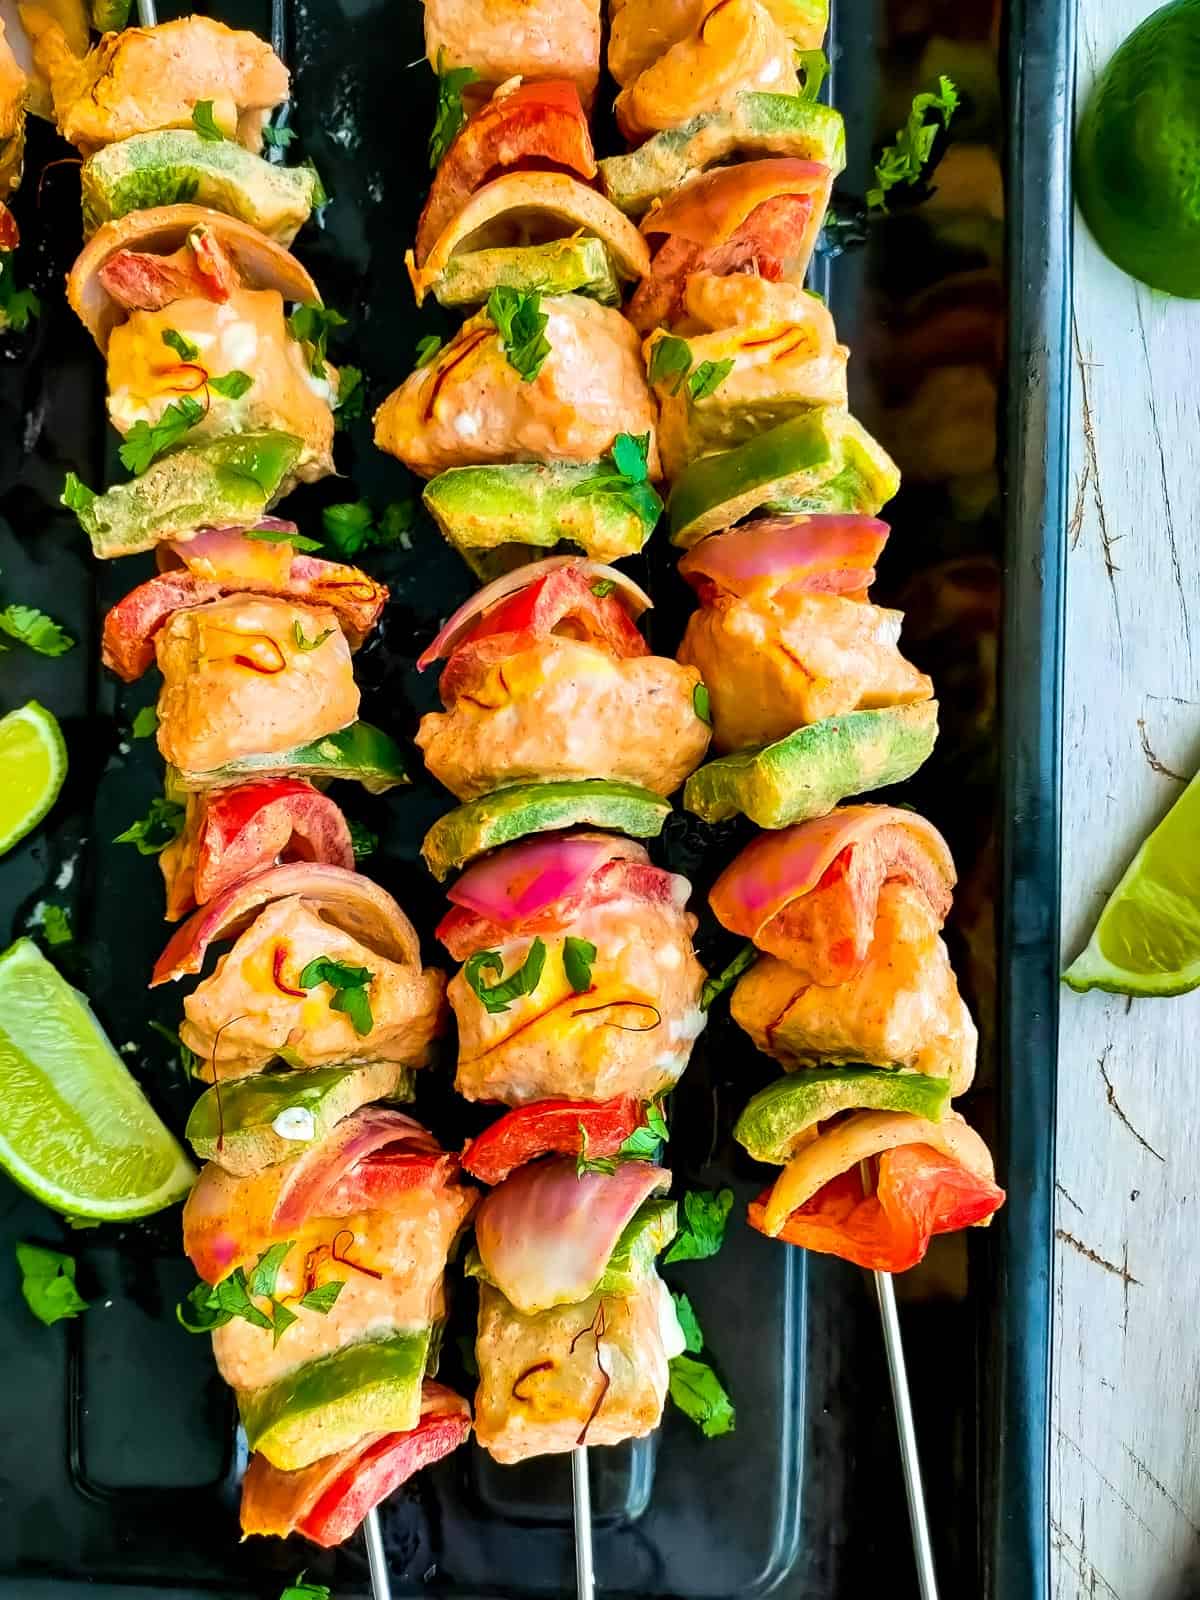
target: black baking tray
<point>119,1459</point>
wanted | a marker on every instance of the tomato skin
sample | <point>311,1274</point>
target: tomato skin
<point>536,125</point>
<point>562,602</point>
<point>550,1127</point>
<point>919,1193</point>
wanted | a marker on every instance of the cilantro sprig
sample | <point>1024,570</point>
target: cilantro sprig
<point>349,985</point>
<point>208,1306</point>
<point>625,474</point>
<point>905,159</point>
<point>160,827</point>
<point>578,955</point>
<point>715,987</point>
<point>705,1218</point>
<point>48,1283</point>
<point>311,325</point>
<point>146,441</point>
<point>671,366</point>
<point>521,324</point>
<point>694,1385</point>
<point>17,306</point>
<point>183,348</point>
<point>451,113</point>
<point>643,1144</point>
<point>34,629</point>
<point>205,123</point>
<point>499,996</point>
<point>352,526</point>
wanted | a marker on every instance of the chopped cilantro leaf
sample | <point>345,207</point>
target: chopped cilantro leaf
<point>205,123</point>
<point>349,985</point>
<point>578,955</point>
<point>233,385</point>
<point>282,536</point>
<point>34,628</point>
<point>714,987</point>
<point>145,723</point>
<point>700,1395</point>
<point>363,842</point>
<point>278,138</point>
<point>305,644</point>
<point>48,1283</point>
<point>160,826</point>
<point>524,980</point>
<point>146,441</point>
<point>904,160</point>
<point>670,362</point>
<point>705,1217</point>
<point>312,325</point>
<point>521,324</point>
<point>451,113</point>
<point>183,348</point>
<point>708,378</point>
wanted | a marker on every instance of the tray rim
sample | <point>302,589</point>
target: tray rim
<point>1039,38</point>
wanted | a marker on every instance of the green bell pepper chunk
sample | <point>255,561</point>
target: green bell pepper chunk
<point>756,124</point>
<point>809,772</point>
<point>775,1120</point>
<point>175,166</point>
<point>236,1125</point>
<point>360,752</point>
<point>514,813</point>
<point>231,481</point>
<point>563,266</point>
<point>329,1404</point>
<point>822,460</point>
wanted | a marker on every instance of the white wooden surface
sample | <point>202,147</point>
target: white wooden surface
<point>1126,1454</point>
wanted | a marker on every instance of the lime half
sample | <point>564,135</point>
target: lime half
<point>33,759</point>
<point>1147,941</point>
<point>1137,153</point>
<point>75,1129</point>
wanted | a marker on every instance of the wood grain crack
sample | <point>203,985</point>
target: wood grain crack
<point>1092,472</point>
<point>1152,760</point>
<point>1114,1103</point>
<point>1097,1260</point>
<point>1162,472</point>
<point>1155,1483</point>
<point>1068,1197</point>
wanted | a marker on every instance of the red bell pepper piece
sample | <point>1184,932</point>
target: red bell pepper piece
<point>919,1192</point>
<point>550,1127</point>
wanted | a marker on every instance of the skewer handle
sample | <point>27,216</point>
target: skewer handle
<point>585,1572</point>
<point>381,1583</point>
<point>910,1461</point>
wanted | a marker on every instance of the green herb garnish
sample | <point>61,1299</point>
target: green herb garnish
<point>427,349</point>
<point>48,1283</point>
<point>451,113</point>
<point>644,1143</point>
<point>323,1298</point>
<point>700,1395</point>
<point>904,161</point>
<point>145,723</point>
<point>312,325</point>
<point>34,628</point>
<point>352,526</point>
<point>625,474</point>
<point>208,1306</point>
<point>670,362</point>
<point>501,995</point>
<point>603,588</point>
<point>17,306</point>
<point>282,536</point>
<point>578,955</point>
<point>233,385</point>
<point>183,348</point>
<point>715,987</point>
<point>363,842</point>
<point>278,138</point>
<point>305,1591</point>
<point>56,926</point>
<point>702,703</point>
<point>708,378</point>
<point>349,985</point>
<point>688,1323</point>
<point>309,644</point>
<point>813,67</point>
<point>521,324</point>
<point>705,1218</point>
<point>160,826</point>
<point>146,441</point>
<point>205,123</point>
<point>76,495</point>
<point>351,395</point>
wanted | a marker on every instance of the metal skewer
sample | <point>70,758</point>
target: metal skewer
<point>581,1494</point>
<point>906,1428</point>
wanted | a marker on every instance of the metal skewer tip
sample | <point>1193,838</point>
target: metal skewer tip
<point>585,1573</point>
<point>906,1428</point>
<point>381,1584</point>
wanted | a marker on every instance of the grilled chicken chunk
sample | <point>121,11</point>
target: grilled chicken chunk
<point>144,79</point>
<point>902,1009</point>
<point>566,709</point>
<point>630,1033</point>
<point>471,406</point>
<point>245,333</point>
<point>774,665</point>
<point>504,39</point>
<point>406,1245</point>
<point>693,58</point>
<point>252,1007</point>
<point>243,676</point>
<point>593,1373</point>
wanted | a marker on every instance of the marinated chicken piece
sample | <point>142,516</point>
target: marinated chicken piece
<point>471,406</point>
<point>641,30</point>
<point>14,96</point>
<point>247,333</point>
<point>504,39</point>
<point>252,1008</point>
<point>594,1373</point>
<point>567,709</point>
<point>774,665</point>
<point>779,368</point>
<point>740,299</point>
<point>903,1008</point>
<point>630,1034</point>
<point>727,45</point>
<point>247,676</point>
<point>144,79</point>
<point>406,1245</point>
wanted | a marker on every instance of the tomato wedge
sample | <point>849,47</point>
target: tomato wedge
<point>549,1127</point>
<point>535,125</point>
<point>562,602</point>
<point>235,832</point>
<point>919,1192</point>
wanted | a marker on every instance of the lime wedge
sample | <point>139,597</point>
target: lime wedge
<point>1147,941</point>
<point>33,759</point>
<point>75,1129</point>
